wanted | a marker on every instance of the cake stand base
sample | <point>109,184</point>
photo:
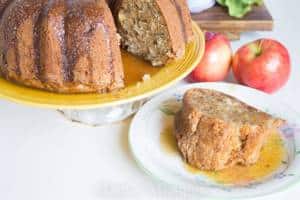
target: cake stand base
<point>102,116</point>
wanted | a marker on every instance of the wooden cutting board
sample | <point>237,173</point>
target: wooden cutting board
<point>217,19</point>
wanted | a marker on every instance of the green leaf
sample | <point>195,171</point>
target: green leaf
<point>239,8</point>
<point>252,2</point>
<point>221,2</point>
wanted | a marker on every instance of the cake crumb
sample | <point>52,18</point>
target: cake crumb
<point>146,77</point>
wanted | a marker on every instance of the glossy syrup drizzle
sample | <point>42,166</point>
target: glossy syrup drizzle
<point>137,68</point>
<point>272,156</point>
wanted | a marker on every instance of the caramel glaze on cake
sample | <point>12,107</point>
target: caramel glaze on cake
<point>67,46</point>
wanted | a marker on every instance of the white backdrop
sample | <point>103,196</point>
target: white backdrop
<point>45,157</point>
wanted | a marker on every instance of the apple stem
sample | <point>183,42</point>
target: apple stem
<point>209,35</point>
<point>259,49</point>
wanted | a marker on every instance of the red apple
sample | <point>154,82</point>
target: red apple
<point>216,60</point>
<point>263,64</point>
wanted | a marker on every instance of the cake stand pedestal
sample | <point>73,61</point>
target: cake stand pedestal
<point>102,116</point>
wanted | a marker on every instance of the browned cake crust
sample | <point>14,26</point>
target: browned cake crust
<point>178,19</point>
<point>61,45</point>
<point>215,131</point>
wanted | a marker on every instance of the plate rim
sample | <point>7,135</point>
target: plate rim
<point>292,184</point>
<point>27,100</point>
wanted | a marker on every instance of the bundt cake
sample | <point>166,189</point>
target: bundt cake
<point>72,46</point>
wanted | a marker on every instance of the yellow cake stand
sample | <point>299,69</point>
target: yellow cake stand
<point>141,79</point>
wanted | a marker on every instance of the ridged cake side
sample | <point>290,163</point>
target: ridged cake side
<point>66,46</point>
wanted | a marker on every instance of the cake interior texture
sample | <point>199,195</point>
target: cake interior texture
<point>144,31</point>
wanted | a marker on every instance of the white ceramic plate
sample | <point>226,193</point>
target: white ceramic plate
<point>149,122</point>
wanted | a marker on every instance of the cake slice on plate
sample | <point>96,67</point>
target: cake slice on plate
<point>215,131</point>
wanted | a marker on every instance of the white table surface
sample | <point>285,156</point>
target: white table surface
<point>43,156</point>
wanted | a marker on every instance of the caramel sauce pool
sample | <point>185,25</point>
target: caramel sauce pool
<point>272,155</point>
<point>135,68</point>
<point>168,141</point>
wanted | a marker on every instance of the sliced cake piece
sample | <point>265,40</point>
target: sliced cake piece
<point>156,30</point>
<point>215,131</point>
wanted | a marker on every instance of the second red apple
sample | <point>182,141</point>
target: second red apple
<point>262,64</point>
<point>216,61</point>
